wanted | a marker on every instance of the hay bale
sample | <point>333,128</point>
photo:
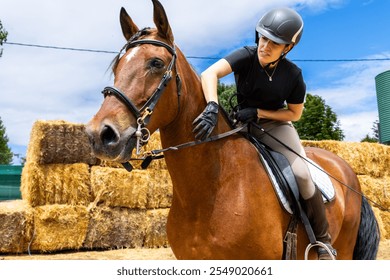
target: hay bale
<point>365,158</point>
<point>16,224</point>
<point>160,189</point>
<point>377,189</point>
<point>56,184</point>
<point>59,227</point>
<point>59,142</point>
<point>139,189</point>
<point>156,234</point>
<point>385,230</point>
<point>115,228</point>
<point>116,187</point>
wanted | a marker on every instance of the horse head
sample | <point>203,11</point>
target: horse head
<point>134,108</point>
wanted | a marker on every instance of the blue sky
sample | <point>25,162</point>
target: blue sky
<point>48,84</point>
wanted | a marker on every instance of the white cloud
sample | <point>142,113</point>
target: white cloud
<point>41,84</point>
<point>357,125</point>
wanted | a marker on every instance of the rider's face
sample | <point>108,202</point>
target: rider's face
<point>269,51</point>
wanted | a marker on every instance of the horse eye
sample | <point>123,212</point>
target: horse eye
<point>157,63</point>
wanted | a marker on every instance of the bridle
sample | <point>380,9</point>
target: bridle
<point>143,115</point>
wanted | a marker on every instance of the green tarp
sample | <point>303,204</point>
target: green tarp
<point>10,181</point>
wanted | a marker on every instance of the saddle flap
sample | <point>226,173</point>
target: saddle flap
<point>283,179</point>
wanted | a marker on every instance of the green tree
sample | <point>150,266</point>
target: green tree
<point>224,94</point>
<point>375,130</point>
<point>369,139</point>
<point>5,152</point>
<point>3,37</point>
<point>318,121</point>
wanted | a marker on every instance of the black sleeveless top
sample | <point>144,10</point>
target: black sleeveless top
<point>253,84</point>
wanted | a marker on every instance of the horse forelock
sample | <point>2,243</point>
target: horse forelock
<point>138,35</point>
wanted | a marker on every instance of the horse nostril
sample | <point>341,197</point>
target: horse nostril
<point>108,136</point>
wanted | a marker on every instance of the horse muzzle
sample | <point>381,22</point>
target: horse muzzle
<point>109,143</point>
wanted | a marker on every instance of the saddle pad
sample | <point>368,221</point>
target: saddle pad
<point>320,178</point>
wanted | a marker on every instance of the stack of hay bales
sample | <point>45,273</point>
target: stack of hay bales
<point>371,162</point>
<point>71,200</point>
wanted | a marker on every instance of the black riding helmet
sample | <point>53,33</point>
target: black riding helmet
<point>282,25</point>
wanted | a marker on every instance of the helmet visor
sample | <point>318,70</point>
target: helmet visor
<point>269,35</point>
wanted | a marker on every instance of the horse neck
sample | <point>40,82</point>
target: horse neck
<point>192,103</point>
<point>200,161</point>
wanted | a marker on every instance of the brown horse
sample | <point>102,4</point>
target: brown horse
<point>224,205</point>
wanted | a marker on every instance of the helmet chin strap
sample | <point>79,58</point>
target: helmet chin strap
<point>282,56</point>
<point>273,63</point>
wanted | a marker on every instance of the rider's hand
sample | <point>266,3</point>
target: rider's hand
<point>206,121</point>
<point>247,115</point>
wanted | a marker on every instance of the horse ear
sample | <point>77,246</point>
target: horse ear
<point>161,21</point>
<point>128,26</point>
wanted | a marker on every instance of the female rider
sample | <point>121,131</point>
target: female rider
<point>271,91</point>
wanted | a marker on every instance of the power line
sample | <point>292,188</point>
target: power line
<point>58,48</point>
<point>344,60</point>
<point>194,57</point>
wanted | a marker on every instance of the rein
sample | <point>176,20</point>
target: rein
<point>157,154</point>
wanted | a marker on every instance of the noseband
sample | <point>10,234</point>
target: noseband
<point>143,115</point>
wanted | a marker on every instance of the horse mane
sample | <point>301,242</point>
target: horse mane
<point>143,32</point>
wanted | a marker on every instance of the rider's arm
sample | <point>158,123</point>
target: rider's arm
<point>210,78</point>
<point>293,112</point>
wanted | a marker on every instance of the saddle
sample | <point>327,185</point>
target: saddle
<point>286,189</point>
<point>283,179</point>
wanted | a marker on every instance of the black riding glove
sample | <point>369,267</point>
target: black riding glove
<point>206,121</point>
<point>247,115</point>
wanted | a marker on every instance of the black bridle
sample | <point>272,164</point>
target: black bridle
<point>148,107</point>
<point>143,115</point>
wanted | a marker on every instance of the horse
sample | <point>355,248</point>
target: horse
<point>223,205</point>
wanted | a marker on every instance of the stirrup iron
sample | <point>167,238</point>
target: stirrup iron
<point>332,253</point>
